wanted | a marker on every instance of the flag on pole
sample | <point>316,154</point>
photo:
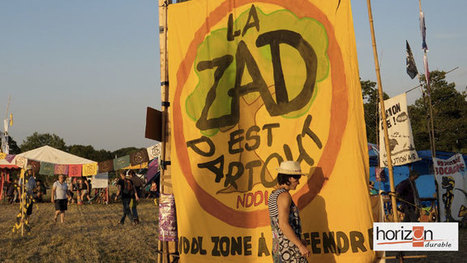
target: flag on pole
<point>423,31</point>
<point>427,70</point>
<point>410,62</point>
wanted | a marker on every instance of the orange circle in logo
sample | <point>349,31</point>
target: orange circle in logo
<point>339,110</point>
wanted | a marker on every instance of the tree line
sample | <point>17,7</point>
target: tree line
<point>449,110</point>
<point>449,114</point>
<point>37,140</point>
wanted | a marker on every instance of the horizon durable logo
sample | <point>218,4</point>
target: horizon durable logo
<point>415,236</point>
<point>256,77</point>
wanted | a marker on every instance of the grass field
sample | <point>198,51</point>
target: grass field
<point>90,234</point>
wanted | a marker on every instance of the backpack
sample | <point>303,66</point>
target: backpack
<point>128,187</point>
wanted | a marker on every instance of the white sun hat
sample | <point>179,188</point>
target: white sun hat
<point>290,167</point>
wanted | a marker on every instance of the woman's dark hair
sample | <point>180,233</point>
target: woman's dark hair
<point>284,178</point>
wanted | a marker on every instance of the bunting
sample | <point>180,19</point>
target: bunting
<point>10,157</point>
<point>89,169</point>
<point>61,169</point>
<point>154,151</point>
<point>139,157</point>
<point>121,162</point>
<point>106,166</point>
<point>47,169</point>
<point>137,160</point>
<point>21,161</point>
<point>74,170</point>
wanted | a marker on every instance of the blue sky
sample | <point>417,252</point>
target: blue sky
<point>86,70</point>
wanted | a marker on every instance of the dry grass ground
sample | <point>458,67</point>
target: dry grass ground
<point>90,234</point>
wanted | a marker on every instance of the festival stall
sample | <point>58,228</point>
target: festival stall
<point>5,171</point>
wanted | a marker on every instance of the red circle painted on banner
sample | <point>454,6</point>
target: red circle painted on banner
<point>339,112</point>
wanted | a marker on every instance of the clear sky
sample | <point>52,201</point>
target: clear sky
<point>86,70</point>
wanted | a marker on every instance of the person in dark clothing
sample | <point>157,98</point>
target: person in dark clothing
<point>39,191</point>
<point>12,191</point>
<point>138,184</point>
<point>127,191</point>
<point>408,193</point>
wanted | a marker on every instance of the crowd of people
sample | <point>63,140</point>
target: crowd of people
<point>71,190</point>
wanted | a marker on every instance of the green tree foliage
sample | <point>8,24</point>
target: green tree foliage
<point>14,149</point>
<point>124,151</point>
<point>88,152</point>
<point>37,140</point>
<point>370,105</point>
<point>449,111</point>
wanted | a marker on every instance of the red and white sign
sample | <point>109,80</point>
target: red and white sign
<point>415,237</point>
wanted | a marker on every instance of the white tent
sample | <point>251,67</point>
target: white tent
<point>52,155</point>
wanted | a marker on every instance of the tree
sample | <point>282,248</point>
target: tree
<point>14,149</point>
<point>370,105</point>
<point>449,116</point>
<point>124,151</point>
<point>37,140</point>
<point>88,152</point>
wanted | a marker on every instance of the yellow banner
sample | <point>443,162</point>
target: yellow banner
<point>89,169</point>
<point>254,83</point>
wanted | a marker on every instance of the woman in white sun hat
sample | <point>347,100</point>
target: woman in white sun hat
<point>285,221</point>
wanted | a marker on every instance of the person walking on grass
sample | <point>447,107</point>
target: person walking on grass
<point>138,184</point>
<point>60,197</point>
<point>127,191</point>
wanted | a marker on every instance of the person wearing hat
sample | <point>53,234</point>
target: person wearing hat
<point>285,220</point>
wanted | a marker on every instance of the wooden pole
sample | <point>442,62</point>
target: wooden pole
<point>383,115</point>
<point>431,129</point>
<point>22,203</point>
<point>165,185</point>
<point>428,88</point>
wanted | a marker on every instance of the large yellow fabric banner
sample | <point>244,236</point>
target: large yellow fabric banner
<point>253,83</point>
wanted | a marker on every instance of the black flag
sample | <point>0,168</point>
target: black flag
<point>411,67</point>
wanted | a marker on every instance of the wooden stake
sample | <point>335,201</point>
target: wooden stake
<point>383,115</point>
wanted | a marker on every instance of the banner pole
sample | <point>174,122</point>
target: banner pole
<point>165,175</point>
<point>431,128</point>
<point>22,203</point>
<point>428,88</point>
<point>383,115</point>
